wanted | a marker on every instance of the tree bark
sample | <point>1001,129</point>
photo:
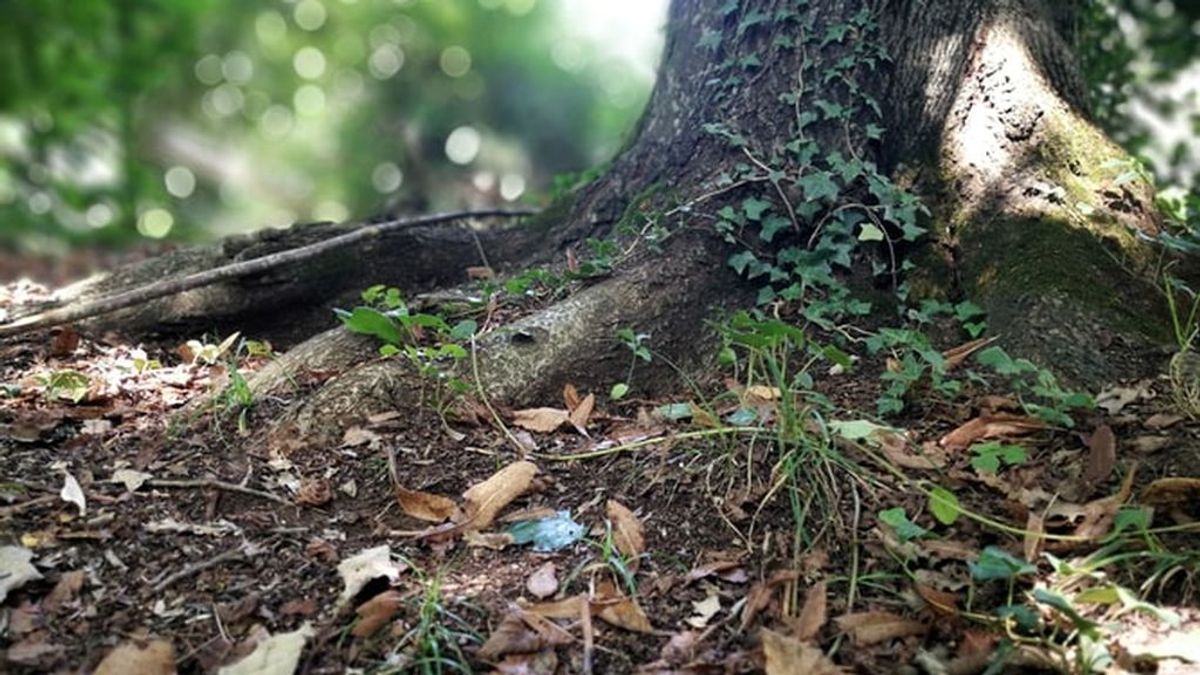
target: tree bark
<point>986,118</point>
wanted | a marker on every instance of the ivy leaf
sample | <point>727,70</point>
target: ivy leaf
<point>870,232</point>
<point>741,260</point>
<point>463,330</point>
<point>944,505</point>
<point>996,563</point>
<point>754,207</point>
<point>818,185</point>
<point>897,519</point>
<point>874,132</point>
<point>771,226</point>
<point>711,39</point>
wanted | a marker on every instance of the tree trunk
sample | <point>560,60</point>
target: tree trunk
<point>984,116</point>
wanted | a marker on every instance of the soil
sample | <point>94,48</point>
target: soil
<point>235,534</point>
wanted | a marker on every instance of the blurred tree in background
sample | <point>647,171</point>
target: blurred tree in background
<point>187,119</point>
<point>122,119</point>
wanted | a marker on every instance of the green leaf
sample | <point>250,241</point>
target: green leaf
<point>996,563</point>
<point>944,505</point>
<point>870,232</point>
<point>370,321</point>
<point>855,430</point>
<point>754,207</point>
<point>904,528</point>
<point>463,330</point>
<point>771,226</point>
<point>741,260</point>
<point>675,411</point>
<point>618,392</point>
<point>818,185</point>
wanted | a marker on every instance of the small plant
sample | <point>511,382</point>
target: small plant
<point>238,399</point>
<point>206,352</point>
<point>1037,387</point>
<point>433,645</point>
<point>636,343</point>
<point>991,456</point>
<point>70,385</point>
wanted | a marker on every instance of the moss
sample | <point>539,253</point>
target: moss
<point>1007,258</point>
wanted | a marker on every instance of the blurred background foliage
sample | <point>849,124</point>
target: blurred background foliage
<point>122,120</point>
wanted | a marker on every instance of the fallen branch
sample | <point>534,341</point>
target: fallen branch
<point>159,289</point>
<point>218,485</point>
<point>245,551</point>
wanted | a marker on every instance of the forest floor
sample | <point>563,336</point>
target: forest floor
<point>715,531</point>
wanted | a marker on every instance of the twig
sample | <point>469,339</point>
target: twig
<point>246,551</point>
<point>153,291</point>
<point>6,511</point>
<point>218,485</point>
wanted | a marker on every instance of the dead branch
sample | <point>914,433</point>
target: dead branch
<point>159,289</point>
<point>246,551</point>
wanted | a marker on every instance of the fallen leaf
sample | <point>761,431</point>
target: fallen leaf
<point>955,356</point>
<point>544,662</point>
<point>812,615</point>
<point>521,631</point>
<point>759,393</point>
<point>132,480</point>
<point>990,426</point>
<point>356,436</point>
<point>581,413</point>
<point>541,420</point>
<point>277,655</point>
<point>1149,444</point>
<point>786,655</point>
<point>314,492</point>
<point>362,568</point>
<point>705,610</point>
<point>570,396</point>
<point>319,549</point>
<point>156,657</point>
<point>426,505</point>
<point>868,628</point>
<point>67,588</point>
<point>495,541</point>
<point>901,453</point>
<point>480,272</point>
<point>627,532</point>
<point>1102,456</point>
<point>483,501</point>
<point>1115,399</point>
<point>376,613</point>
<point>567,608</point>
<point>72,492</point>
<point>543,583</point>
<point>941,602</point>
<point>305,607</point>
<point>1163,421</point>
<point>1035,531</point>
<point>1098,514</point>
<point>15,569</point>
<point>1169,492</point>
<point>617,610</point>
<point>35,651</point>
<point>719,568</point>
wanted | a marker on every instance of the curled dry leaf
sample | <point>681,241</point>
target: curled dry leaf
<point>72,492</point>
<point>758,394</point>
<point>868,628</point>
<point>277,655</point>
<point>365,566</point>
<point>67,589</point>
<point>785,655</point>
<point>955,356</point>
<point>760,595</point>
<point>426,505</point>
<point>314,492</point>
<point>132,480</point>
<point>571,396</point>
<point>376,613</point>
<point>813,614</point>
<point>990,426</point>
<point>1099,514</point>
<point>483,501</point>
<point>581,413</point>
<point>1171,492</point>
<point>541,420</point>
<point>521,632</point>
<point>156,657</point>
<point>705,610</point>
<point>1102,456</point>
<point>941,602</point>
<point>543,583</point>
<point>1035,534</point>
<point>729,570</point>
<point>15,569</point>
<point>617,610</point>
<point>627,532</point>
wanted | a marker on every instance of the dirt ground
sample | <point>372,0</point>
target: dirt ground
<point>176,536</point>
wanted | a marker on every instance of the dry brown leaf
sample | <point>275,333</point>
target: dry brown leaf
<point>1146,445</point>
<point>356,436</point>
<point>570,396</point>
<point>376,613</point>
<point>567,608</point>
<point>627,532</point>
<point>480,272</point>
<point>1163,421</point>
<point>898,450</point>
<point>544,662</point>
<point>990,426</point>
<point>941,602</point>
<point>1171,492</point>
<point>868,628</point>
<point>426,505</point>
<point>617,610</point>
<point>759,393</point>
<point>1099,514</point>
<point>67,588</point>
<point>1035,531</point>
<point>721,568</point>
<point>521,631</point>
<point>483,501</point>
<point>955,356</point>
<point>813,614</point>
<point>543,583</point>
<point>581,413</point>
<point>541,420</point>
<point>314,492</point>
<point>1102,456</point>
<point>786,655</point>
<point>156,657</point>
<point>949,549</point>
<point>495,541</point>
<point>760,595</point>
